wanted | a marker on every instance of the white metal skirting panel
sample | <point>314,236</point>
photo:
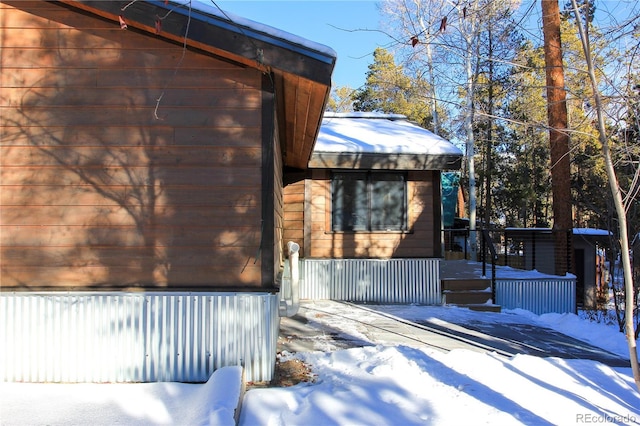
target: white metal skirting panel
<point>371,280</point>
<point>136,337</point>
<point>539,296</point>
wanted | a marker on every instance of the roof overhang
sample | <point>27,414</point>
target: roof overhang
<point>301,69</point>
<point>381,141</point>
<point>373,161</point>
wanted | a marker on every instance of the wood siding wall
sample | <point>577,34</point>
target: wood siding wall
<point>96,192</point>
<point>308,222</point>
<point>294,203</point>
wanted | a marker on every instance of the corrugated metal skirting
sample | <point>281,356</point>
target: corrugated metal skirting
<point>371,280</point>
<point>539,296</point>
<point>136,337</point>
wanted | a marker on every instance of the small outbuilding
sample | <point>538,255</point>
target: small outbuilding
<point>534,249</point>
<point>368,212</point>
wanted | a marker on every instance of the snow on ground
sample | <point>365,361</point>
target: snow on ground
<point>373,385</point>
<point>211,403</point>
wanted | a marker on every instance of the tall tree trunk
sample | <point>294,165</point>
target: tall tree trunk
<point>558,135</point>
<point>617,199</point>
<point>432,92</point>
<point>432,80</point>
<point>470,151</point>
<point>489,143</point>
<point>469,32</point>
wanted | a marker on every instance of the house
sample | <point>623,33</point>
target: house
<point>144,149</point>
<point>368,211</point>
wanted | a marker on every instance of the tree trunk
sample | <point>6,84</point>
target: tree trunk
<point>558,136</point>
<point>489,143</point>
<point>433,103</point>
<point>470,151</point>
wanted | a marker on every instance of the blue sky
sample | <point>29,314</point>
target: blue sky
<point>336,24</point>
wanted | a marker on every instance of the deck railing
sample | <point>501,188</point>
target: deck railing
<point>526,249</point>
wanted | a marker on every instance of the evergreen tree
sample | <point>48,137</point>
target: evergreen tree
<point>497,47</point>
<point>389,90</point>
<point>523,190</point>
<point>588,175</point>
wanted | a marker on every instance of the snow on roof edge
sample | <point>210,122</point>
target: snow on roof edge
<point>576,231</point>
<point>365,114</point>
<point>591,231</point>
<point>237,20</point>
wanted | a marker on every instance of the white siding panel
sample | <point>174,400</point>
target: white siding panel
<point>539,296</point>
<point>131,337</point>
<point>372,280</point>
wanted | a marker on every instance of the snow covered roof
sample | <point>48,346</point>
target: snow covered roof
<point>592,232</point>
<point>367,140</point>
<point>576,231</point>
<point>580,235</point>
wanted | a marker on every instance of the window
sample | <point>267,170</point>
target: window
<point>369,201</point>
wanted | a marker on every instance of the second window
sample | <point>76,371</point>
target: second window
<point>369,201</point>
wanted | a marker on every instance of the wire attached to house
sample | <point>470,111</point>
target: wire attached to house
<point>259,52</point>
<point>177,67</point>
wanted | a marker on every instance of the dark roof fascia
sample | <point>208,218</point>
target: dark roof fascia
<point>264,49</point>
<point>384,161</point>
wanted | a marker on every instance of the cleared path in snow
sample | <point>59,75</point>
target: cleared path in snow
<point>330,325</point>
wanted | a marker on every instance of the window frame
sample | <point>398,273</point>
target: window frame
<point>370,178</point>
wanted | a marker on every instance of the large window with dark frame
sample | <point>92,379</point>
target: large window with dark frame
<point>369,201</point>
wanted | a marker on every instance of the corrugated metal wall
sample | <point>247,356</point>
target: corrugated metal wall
<point>130,337</point>
<point>372,280</point>
<point>539,296</point>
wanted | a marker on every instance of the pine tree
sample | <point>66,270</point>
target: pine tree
<point>389,90</point>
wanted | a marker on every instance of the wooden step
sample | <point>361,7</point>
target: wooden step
<point>464,284</point>
<point>471,293</point>
<point>466,297</point>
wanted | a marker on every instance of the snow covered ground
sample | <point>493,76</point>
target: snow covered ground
<point>375,385</point>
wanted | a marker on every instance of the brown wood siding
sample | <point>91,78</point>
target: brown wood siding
<point>97,192</point>
<point>294,214</point>
<point>418,242</point>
